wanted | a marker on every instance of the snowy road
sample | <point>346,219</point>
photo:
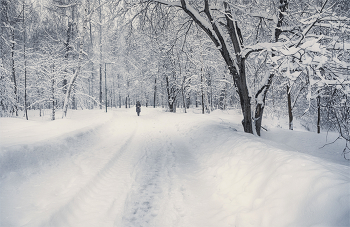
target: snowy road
<point>129,172</point>
<point>163,169</point>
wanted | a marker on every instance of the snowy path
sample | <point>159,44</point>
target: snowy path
<point>115,177</point>
<point>162,169</point>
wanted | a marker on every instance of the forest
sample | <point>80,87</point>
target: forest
<point>279,58</point>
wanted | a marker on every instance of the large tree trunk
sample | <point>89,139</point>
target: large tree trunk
<point>260,103</point>
<point>171,106</point>
<point>239,77</point>
<point>245,100</point>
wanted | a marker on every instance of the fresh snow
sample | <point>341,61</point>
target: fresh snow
<point>163,169</point>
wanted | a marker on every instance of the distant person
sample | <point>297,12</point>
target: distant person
<point>138,108</point>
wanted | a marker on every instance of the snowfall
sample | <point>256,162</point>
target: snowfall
<point>163,169</point>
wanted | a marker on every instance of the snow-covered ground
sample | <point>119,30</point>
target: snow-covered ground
<point>163,169</point>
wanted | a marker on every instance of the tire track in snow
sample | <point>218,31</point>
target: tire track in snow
<point>139,185</point>
<point>98,200</point>
<point>153,190</point>
<point>141,206</point>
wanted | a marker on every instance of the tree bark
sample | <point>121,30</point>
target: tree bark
<point>318,114</point>
<point>202,92</point>
<point>171,99</point>
<point>290,113</point>
<point>53,99</point>
<point>155,93</point>
<point>120,97</point>
<point>100,46</point>
<point>245,100</point>
<point>171,106</point>
<point>91,92</point>
<point>113,104</point>
<point>237,70</point>
<point>106,86</point>
<point>260,104</point>
<point>184,93</point>
<point>14,72</point>
<point>25,65</point>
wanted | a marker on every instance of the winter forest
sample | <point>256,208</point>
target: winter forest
<point>291,57</point>
<point>258,60</point>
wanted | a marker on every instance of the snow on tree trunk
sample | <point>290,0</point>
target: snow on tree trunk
<point>260,103</point>
<point>260,96</point>
<point>171,94</point>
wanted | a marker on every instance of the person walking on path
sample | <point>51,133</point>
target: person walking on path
<point>138,108</point>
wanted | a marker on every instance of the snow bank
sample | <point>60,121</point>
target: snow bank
<point>261,185</point>
<point>323,145</point>
<point>36,142</point>
<point>326,146</point>
<point>16,131</point>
